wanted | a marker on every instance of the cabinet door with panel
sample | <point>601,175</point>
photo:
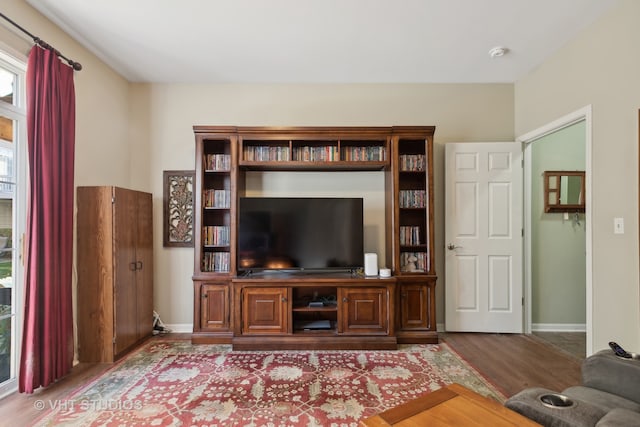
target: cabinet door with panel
<point>265,310</point>
<point>363,310</point>
<point>214,307</point>
<point>144,263</point>
<point>415,301</point>
<point>133,237</point>
<point>416,318</point>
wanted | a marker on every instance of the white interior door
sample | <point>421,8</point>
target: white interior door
<point>483,237</point>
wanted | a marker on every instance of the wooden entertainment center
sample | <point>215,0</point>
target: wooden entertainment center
<point>349,311</point>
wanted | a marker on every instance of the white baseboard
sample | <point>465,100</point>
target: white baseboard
<point>440,327</point>
<point>180,327</point>
<point>558,327</point>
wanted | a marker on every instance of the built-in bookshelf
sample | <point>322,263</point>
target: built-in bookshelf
<point>215,213</point>
<point>414,196</point>
<point>264,311</point>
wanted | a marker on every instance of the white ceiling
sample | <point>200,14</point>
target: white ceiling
<point>321,41</point>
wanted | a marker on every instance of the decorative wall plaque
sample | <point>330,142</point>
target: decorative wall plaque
<point>178,208</point>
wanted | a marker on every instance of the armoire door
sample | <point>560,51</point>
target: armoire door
<point>125,234</point>
<point>144,264</point>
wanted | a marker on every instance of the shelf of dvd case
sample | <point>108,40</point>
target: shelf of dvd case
<point>218,199</point>
<point>216,235</point>
<point>266,153</point>
<point>413,262</point>
<point>363,154</point>
<point>323,153</point>
<point>302,151</point>
<point>412,198</point>
<point>412,163</point>
<point>409,236</point>
<point>217,163</point>
<point>216,262</point>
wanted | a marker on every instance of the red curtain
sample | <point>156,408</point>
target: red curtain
<point>47,337</point>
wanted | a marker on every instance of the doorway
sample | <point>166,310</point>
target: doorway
<point>12,215</point>
<point>545,310</point>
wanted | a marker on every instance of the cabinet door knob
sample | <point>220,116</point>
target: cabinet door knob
<point>345,299</point>
<point>284,299</point>
<point>139,265</point>
<point>132,266</point>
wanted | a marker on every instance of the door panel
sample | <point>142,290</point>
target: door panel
<point>363,310</point>
<point>265,310</point>
<point>214,311</point>
<point>483,233</point>
<point>124,229</point>
<point>415,301</point>
<point>144,264</point>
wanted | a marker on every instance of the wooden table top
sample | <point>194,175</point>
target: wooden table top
<point>453,405</point>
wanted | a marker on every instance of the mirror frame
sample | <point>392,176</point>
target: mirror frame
<point>549,205</point>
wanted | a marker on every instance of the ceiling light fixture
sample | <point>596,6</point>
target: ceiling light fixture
<point>498,51</point>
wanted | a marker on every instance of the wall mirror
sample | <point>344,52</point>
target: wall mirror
<point>564,191</point>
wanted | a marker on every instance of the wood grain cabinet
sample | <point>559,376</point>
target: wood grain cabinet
<point>115,271</point>
<point>265,310</point>
<point>364,310</point>
<point>255,312</point>
<point>214,306</point>
<point>416,309</point>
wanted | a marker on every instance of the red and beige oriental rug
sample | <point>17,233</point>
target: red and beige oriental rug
<point>175,383</point>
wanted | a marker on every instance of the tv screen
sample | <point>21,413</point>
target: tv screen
<point>276,233</point>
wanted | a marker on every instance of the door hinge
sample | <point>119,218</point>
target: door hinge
<point>113,200</point>
<point>523,301</point>
<point>522,232</point>
<point>114,340</point>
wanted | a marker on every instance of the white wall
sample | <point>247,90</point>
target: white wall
<point>464,112</point>
<point>102,100</point>
<point>601,67</point>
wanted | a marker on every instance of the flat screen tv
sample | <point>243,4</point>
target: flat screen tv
<point>292,233</point>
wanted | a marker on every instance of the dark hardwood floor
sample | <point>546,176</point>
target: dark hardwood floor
<point>512,362</point>
<point>572,342</point>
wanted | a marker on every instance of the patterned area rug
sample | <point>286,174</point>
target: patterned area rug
<point>175,383</point>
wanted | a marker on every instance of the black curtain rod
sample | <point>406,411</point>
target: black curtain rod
<point>37,40</point>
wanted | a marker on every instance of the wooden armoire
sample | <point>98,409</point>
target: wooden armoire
<point>115,271</point>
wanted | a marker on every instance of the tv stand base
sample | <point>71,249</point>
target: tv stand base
<point>314,343</point>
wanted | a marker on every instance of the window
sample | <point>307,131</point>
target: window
<point>12,214</point>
